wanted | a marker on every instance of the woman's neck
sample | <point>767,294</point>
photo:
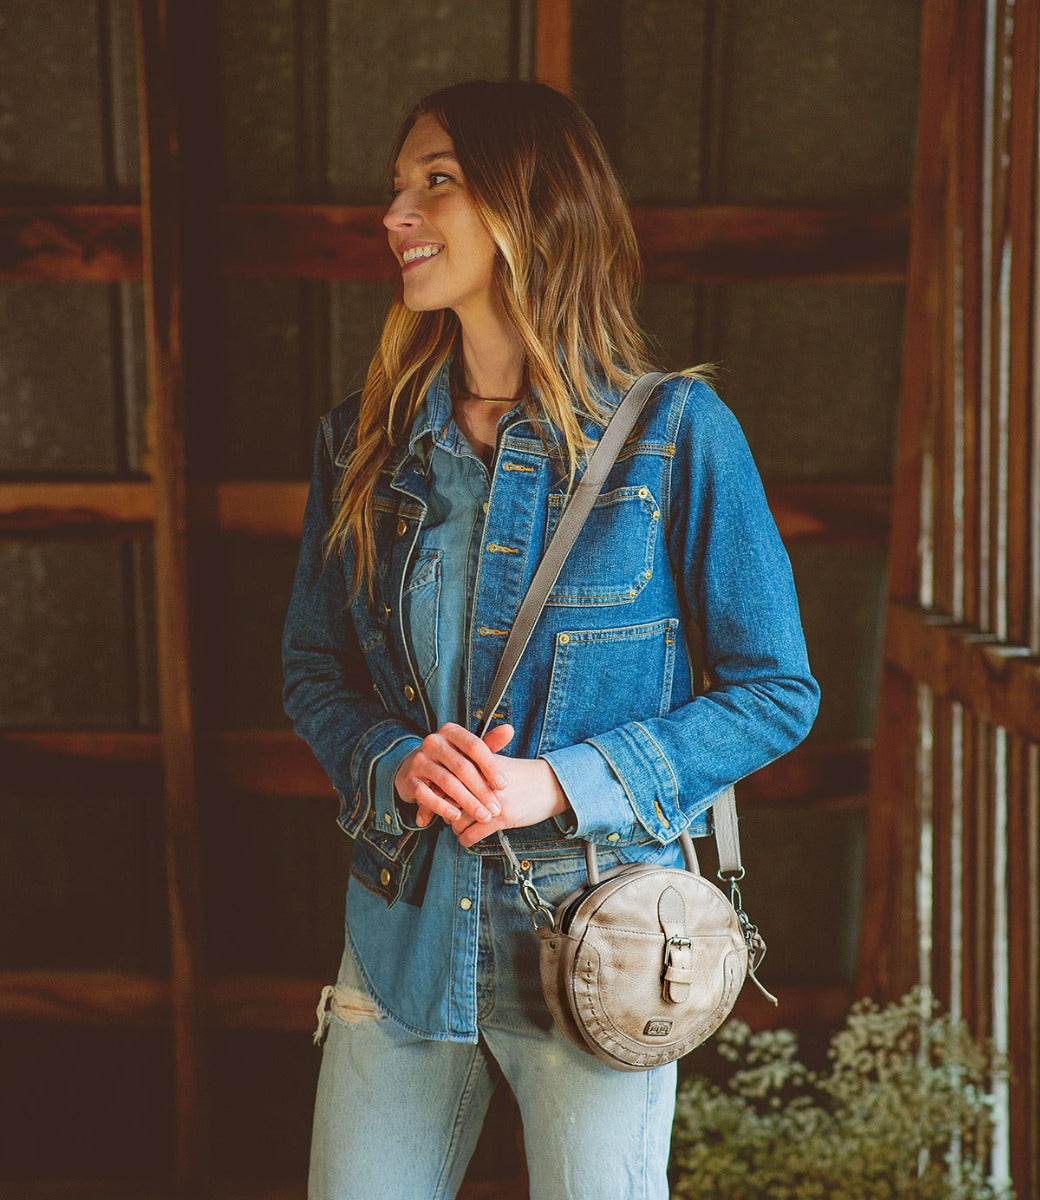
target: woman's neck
<point>492,357</point>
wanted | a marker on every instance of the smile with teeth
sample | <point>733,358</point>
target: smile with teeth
<point>417,252</point>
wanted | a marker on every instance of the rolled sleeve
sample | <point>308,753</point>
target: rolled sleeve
<point>391,813</point>
<point>602,807</point>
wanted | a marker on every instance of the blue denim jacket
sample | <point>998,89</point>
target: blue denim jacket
<point>681,533</point>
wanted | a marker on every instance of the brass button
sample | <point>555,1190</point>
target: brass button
<point>564,638</point>
<point>656,515</point>
<point>409,692</point>
<point>613,837</point>
<point>648,574</point>
<point>388,818</point>
<point>465,904</point>
<point>384,877</point>
<point>484,506</point>
<point>643,493</point>
<point>402,527</point>
<point>525,864</point>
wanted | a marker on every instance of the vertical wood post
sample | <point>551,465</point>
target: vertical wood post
<point>163,30</point>
<point>552,61</point>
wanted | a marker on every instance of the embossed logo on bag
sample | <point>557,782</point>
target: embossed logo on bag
<point>657,1028</point>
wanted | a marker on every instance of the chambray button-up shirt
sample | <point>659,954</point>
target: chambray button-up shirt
<point>438,602</point>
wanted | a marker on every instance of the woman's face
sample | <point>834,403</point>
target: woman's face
<point>445,253</point>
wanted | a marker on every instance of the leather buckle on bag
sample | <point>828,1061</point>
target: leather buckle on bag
<point>678,969</point>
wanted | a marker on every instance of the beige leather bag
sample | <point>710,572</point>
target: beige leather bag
<point>645,963</point>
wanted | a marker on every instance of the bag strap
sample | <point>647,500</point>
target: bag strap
<point>547,572</point>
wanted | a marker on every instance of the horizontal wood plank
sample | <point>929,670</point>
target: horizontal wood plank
<point>680,244</point>
<point>288,1004</point>
<point>804,512</point>
<point>730,244</point>
<point>93,508</point>
<point>278,763</point>
<point>997,681</point>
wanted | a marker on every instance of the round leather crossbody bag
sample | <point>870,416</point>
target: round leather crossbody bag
<point>643,964</point>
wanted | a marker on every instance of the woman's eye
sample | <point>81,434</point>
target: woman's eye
<point>436,177</point>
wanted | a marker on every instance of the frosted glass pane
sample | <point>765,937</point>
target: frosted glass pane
<point>638,68</point>
<point>382,57</point>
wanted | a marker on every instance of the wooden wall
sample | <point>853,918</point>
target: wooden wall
<point>953,879</point>
<point>192,269</point>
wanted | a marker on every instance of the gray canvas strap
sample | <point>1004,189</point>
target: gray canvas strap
<point>547,572</point>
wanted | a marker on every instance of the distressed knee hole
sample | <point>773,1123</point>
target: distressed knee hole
<point>349,1005</point>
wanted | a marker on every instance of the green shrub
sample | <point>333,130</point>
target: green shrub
<point>903,1112</point>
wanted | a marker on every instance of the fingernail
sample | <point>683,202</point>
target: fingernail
<point>496,808</point>
<point>500,781</point>
<point>483,814</point>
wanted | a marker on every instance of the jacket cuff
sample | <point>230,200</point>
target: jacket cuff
<point>602,809</point>
<point>390,813</point>
<point>652,787</point>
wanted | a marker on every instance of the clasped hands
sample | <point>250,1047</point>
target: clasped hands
<point>464,780</point>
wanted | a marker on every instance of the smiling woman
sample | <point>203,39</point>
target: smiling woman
<point>434,493</point>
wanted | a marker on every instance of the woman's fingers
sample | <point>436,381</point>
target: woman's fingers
<point>466,769</point>
<point>455,775</point>
<point>427,798</point>
<point>476,751</point>
<point>498,738</point>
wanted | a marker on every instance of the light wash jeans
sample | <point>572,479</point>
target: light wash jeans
<point>397,1116</point>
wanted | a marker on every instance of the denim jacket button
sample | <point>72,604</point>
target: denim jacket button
<point>384,877</point>
<point>402,527</point>
<point>465,904</point>
<point>409,692</point>
<point>613,837</point>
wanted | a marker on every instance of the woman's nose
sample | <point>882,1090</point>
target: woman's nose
<point>401,214</point>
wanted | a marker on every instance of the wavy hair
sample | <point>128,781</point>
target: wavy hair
<point>566,265</point>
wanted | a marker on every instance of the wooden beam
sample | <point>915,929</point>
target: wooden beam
<point>680,244</point>
<point>999,682</point>
<point>552,46</point>
<point>800,1006</point>
<point>99,508</point>
<point>287,1004</point>
<point>727,244</point>
<point>803,512</point>
<point>84,998</point>
<point>172,247</point>
<point>824,511</point>
<point>888,945</point>
<point>87,243</point>
<point>278,763</point>
<point>1024,964</point>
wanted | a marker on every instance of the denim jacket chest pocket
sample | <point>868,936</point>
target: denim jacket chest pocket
<point>421,608</point>
<point>612,559</point>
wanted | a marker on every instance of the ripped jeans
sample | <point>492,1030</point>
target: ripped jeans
<point>397,1116</point>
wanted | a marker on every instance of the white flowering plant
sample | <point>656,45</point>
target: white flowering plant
<point>903,1112</point>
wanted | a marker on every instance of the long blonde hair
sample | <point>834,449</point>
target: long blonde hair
<point>567,266</point>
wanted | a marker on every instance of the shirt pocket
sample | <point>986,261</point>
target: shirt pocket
<point>421,610</point>
<point>612,559</point>
<point>602,678</point>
